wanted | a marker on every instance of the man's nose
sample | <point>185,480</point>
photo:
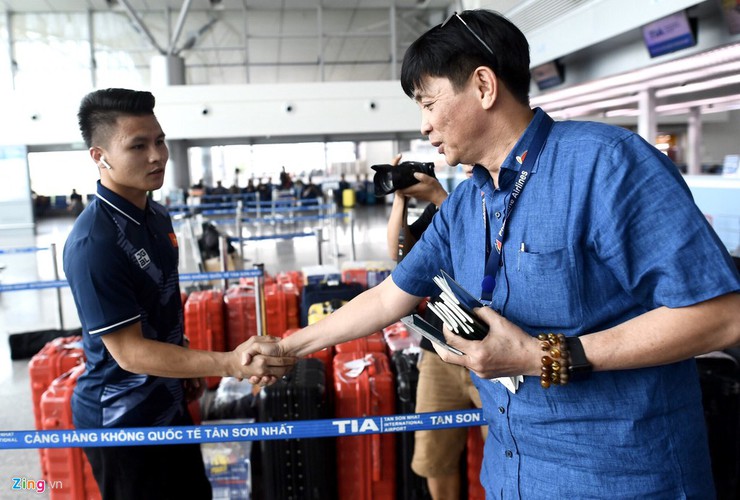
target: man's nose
<point>426,128</point>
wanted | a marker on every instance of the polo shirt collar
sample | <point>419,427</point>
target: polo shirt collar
<point>481,175</point>
<point>122,205</point>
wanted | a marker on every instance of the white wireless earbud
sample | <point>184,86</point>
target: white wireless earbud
<point>105,163</point>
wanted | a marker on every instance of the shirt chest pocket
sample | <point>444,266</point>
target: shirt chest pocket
<point>545,289</point>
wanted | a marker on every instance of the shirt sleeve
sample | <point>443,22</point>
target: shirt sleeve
<point>651,234</point>
<point>98,272</point>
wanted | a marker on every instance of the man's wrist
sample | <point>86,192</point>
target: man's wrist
<point>562,360</point>
<point>579,367</point>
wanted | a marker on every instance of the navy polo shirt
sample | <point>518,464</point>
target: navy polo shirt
<point>121,264</point>
<point>604,230</point>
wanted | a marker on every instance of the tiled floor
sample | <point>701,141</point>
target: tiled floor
<point>24,311</point>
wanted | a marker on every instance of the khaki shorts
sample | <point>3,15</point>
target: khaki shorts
<point>442,387</point>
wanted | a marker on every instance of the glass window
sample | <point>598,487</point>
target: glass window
<point>6,76</point>
<point>51,49</point>
<point>122,55</point>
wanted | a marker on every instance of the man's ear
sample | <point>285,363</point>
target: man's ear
<point>486,86</point>
<point>95,153</point>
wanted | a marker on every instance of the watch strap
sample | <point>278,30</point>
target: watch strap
<point>579,367</point>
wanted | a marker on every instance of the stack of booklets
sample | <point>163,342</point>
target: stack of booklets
<point>454,307</point>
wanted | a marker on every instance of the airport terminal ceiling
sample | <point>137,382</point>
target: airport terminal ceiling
<point>287,41</point>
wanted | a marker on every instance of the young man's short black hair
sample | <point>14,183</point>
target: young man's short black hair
<point>100,109</point>
<point>453,52</point>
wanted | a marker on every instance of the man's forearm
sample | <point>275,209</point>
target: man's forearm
<point>367,313</point>
<point>666,335</point>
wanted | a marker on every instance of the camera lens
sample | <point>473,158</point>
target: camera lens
<point>389,178</point>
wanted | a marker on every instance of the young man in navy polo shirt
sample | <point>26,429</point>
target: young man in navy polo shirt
<point>121,262</point>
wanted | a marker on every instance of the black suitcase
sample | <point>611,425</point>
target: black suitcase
<point>25,345</point>
<point>298,469</point>
<point>719,375</point>
<point>410,485</point>
<point>317,293</point>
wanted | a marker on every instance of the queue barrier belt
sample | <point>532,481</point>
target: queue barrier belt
<point>38,285</point>
<point>266,206</point>
<point>231,211</point>
<point>285,236</point>
<point>259,431</point>
<point>8,251</point>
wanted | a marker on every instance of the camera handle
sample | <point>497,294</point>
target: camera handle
<point>405,239</point>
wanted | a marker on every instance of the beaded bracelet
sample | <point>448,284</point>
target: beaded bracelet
<point>555,361</point>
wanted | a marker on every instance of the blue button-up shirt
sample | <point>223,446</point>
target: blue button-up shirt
<point>605,230</point>
<point>121,264</point>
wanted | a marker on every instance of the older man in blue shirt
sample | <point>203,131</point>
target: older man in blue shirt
<point>577,229</point>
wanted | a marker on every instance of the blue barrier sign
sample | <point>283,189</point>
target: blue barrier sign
<point>246,273</point>
<point>299,429</point>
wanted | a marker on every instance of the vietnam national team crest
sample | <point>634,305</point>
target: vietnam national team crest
<point>142,258</point>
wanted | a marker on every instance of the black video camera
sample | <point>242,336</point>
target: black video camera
<point>389,178</point>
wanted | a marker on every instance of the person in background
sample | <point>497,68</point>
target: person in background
<point>310,190</point>
<point>75,203</point>
<point>285,181</point>
<point>235,189</point>
<point>442,386</point>
<point>297,188</point>
<point>599,280</point>
<point>221,191</point>
<point>264,189</point>
<point>121,262</point>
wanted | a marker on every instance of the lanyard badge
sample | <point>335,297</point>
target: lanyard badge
<point>527,161</point>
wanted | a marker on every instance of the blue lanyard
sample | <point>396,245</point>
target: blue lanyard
<point>527,160</point>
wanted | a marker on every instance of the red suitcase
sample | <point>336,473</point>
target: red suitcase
<point>399,338</point>
<point>474,463</point>
<point>355,275</point>
<point>295,277</point>
<point>56,357</point>
<point>204,324</point>
<point>281,312</point>
<point>68,468</point>
<point>374,342</point>
<point>366,464</point>
<point>291,297</point>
